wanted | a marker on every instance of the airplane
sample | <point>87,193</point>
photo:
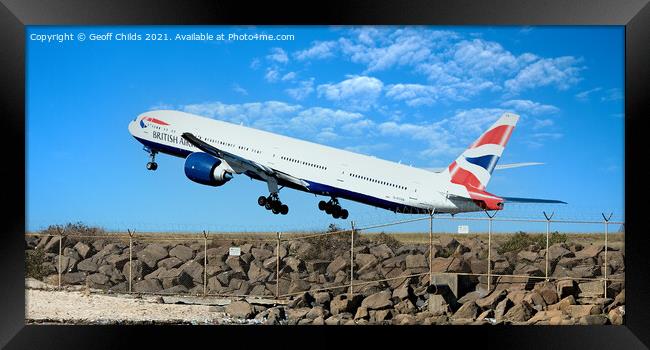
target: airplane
<point>215,151</point>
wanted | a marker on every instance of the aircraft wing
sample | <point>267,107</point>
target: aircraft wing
<point>242,164</point>
<point>498,167</point>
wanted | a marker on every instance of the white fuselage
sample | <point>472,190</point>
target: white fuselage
<point>329,171</point>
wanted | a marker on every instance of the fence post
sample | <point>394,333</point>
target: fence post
<point>130,257</point>
<point>548,230</point>
<point>431,248</point>
<point>277,270</point>
<point>489,257</point>
<point>606,234</point>
<point>351,259</point>
<point>205,262</point>
<point>60,232</point>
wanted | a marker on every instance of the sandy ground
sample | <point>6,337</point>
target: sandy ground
<point>80,307</point>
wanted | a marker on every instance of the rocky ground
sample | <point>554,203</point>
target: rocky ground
<point>396,289</point>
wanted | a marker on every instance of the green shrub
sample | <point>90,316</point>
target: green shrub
<point>521,240</point>
<point>74,229</point>
<point>34,260</point>
<point>390,241</point>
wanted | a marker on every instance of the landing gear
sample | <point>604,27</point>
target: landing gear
<point>333,208</point>
<point>151,165</point>
<point>273,203</point>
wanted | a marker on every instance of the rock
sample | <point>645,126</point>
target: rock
<point>565,288</point>
<point>558,251</point>
<point>547,291</point>
<point>502,308</point>
<point>297,314</point>
<point>492,299</point>
<point>471,296</point>
<point>458,265</point>
<point>535,300</point>
<point>543,317</point>
<point>87,265</point>
<point>256,273</point>
<point>270,263</point>
<point>380,315</point>
<point>294,264</point>
<point>98,281</point>
<point>322,299</point>
<point>339,264</point>
<point>362,313</point>
<point>382,251</point>
<point>316,312</point>
<point>519,312</point>
<point>117,260</point>
<point>147,286</point>
<point>527,256</point>
<point>341,304</point>
<point>577,311</point>
<point>584,271</point>
<point>365,261</point>
<point>594,288</point>
<point>416,261</point>
<point>195,270</point>
<point>152,254</point>
<point>174,277</point>
<point>239,287</point>
<point>235,263</point>
<point>616,316</point>
<point>437,305</point>
<point>52,245</point>
<point>214,285</point>
<point>83,249</point>
<point>333,321</point>
<point>591,320</point>
<point>563,304</point>
<point>112,273</point>
<point>448,242</point>
<point>178,289</point>
<point>137,270</point>
<point>182,252</point>
<point>405,307</point>
<point>404,319</point>
<point>402,292</point>
<point>396,261</point>
<point>283,252</point>
<point>298,285</point>
<point>590,251</point>
<point>170,263</point>
<point>469,310</point>
<point>240,309</point>
<point>67,264</point>
<point>261,254</point>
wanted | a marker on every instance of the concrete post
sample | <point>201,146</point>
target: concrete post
<point>205,262</point>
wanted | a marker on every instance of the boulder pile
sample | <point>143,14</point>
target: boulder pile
<point>391,282</point>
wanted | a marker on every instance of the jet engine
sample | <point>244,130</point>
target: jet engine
<point>207,170</point>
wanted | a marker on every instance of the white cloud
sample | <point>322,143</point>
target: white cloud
<point>319,50</point>
<point>303,90</point>
<point>289,76</point>
<point>413,94</point>
<point>584,95</point>
<point>561,72</point>
<point>272,75</point>
<point>240,90</point>
<point>255,64</point>
<point>278,55</point>
<point>528,106</point>
<point>542,123</point>
<point>357,93</point>
<point>612,95</point>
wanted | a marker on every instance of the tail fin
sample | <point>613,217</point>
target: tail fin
<point>473,168</point>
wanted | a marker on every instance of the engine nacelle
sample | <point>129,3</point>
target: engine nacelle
<point>207,170</point>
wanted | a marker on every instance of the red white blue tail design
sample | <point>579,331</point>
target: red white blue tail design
<point>474,167</point>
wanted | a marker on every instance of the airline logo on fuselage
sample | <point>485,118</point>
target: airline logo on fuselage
<point>153,120</point>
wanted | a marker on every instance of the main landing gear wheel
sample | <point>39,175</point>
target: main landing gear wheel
<point>333,208</point>
<point>273,203</point>
<point>152,165</point>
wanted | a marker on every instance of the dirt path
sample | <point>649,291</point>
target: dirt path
<point>47,306</point>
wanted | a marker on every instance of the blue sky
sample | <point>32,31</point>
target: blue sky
<point>419,95</point>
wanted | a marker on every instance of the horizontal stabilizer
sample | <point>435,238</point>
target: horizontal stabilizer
<point>532,200</point>
<point>498,167</point>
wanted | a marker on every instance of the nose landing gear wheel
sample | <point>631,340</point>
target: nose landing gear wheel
<point>261,201</point>
<point>152,166</point>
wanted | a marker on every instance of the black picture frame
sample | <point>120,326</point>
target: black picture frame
<point>16,14</point>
